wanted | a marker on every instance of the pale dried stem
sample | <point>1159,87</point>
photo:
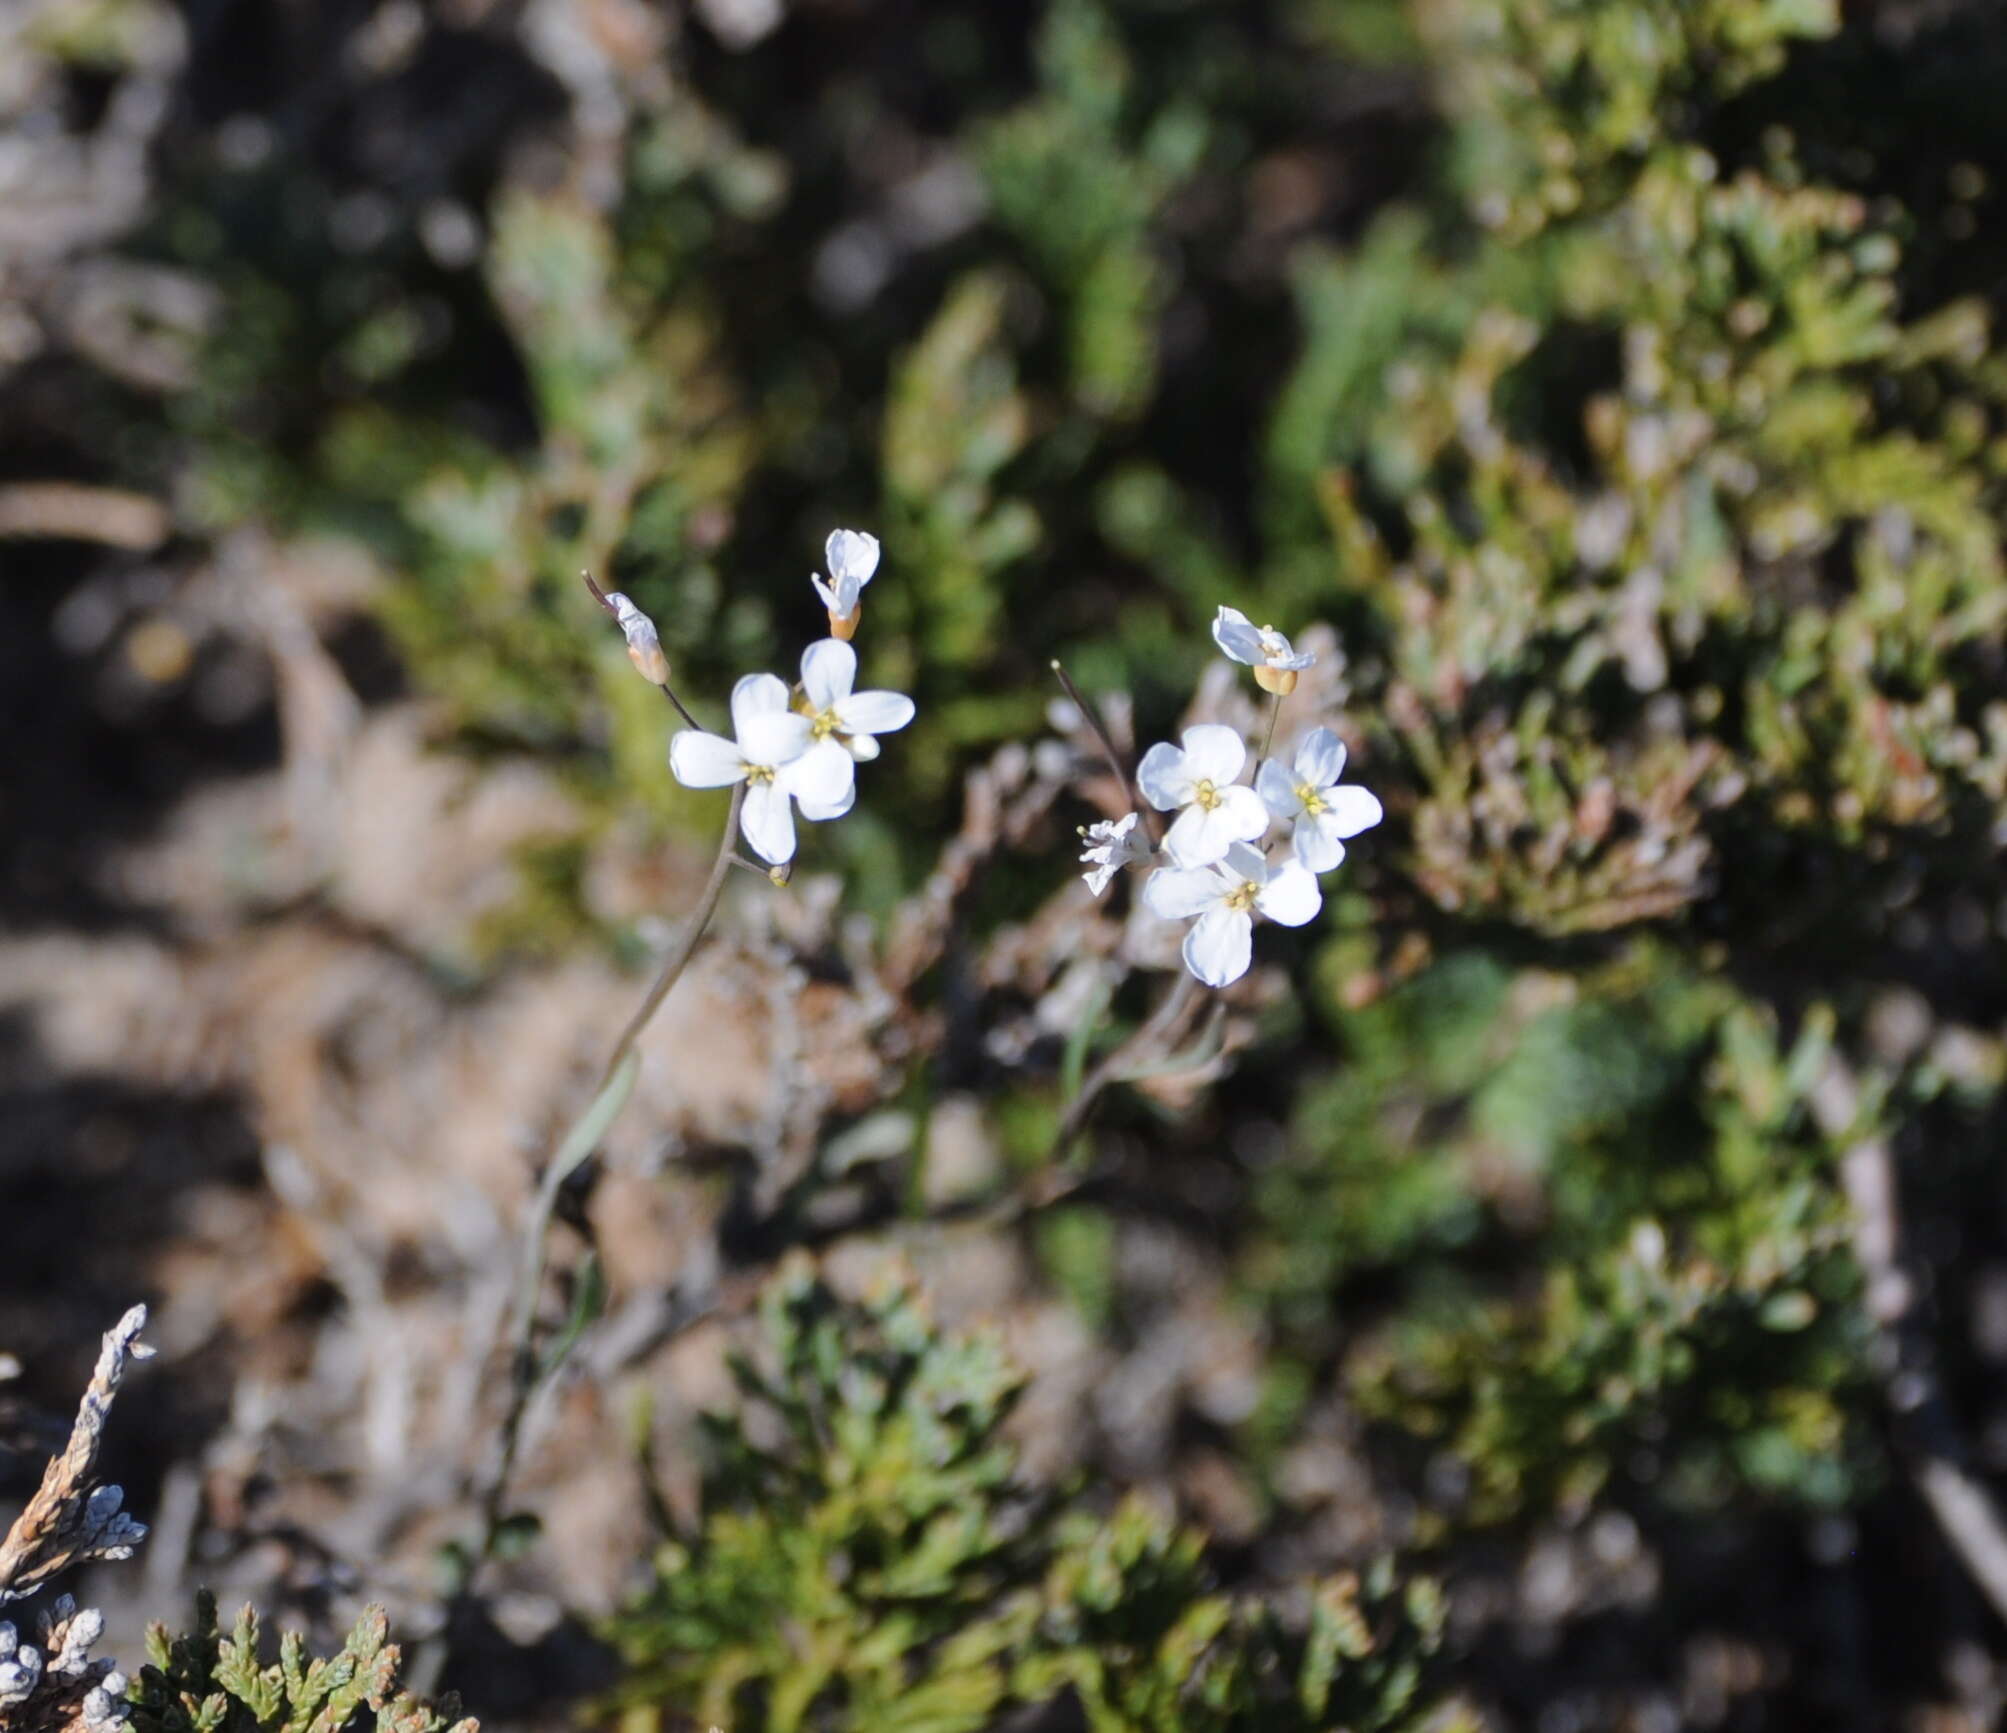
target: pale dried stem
<point>1925,1429</point>
<point>71,1519</point>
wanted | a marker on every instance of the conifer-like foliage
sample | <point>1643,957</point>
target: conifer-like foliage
<point>202,1681</point>
<point>866,1559</point>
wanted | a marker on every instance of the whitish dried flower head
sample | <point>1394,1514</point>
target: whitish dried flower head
<point>1110,845</point>
<point>1275,661</point>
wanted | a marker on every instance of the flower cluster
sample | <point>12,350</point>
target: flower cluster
<point>1213,869</point>
<point>795,748</point>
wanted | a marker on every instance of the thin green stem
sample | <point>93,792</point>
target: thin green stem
<point>579,1141</point>
<point>1268,738</point>
<point>1156,1032</point>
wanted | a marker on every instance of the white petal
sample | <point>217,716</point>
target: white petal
<point>1178,893</point>
<point>700,760</point>
<point>775,737</point>
<point>1291,895</point>
<point>766,821</point>
<point>756,695</point>
<point>1277,789</point>
<point>830,599</point>
<point>1245,863</point>
<point>1163,778</point>
<point>1214,753</point>
<point>1316,842</point>
<point>828,671</point>
<point>1195,839</point>
<point>861,747</point>
<point>1220,946</point>
<point>1237,637</point>
<point>1292,661</point>
<point>874,712</point>
<point>852,557</point>
<point>1320,760</point>
<point>1097,879</point>
<point>1242,813</point>
<point>1352,809</point>
<point>823,779</point>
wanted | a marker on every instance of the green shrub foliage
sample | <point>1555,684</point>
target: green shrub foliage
<point>867,1560</point>
<point>205,1682</point>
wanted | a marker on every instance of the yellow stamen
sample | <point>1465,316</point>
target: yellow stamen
<point>1206,796</point>
<point>1311,800</point>
<point>1241,897</point>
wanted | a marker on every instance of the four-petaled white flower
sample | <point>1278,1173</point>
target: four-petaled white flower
<point>778,757</point>
<point>1200,779</point>
<point>1109,845</point>
<point>1325,811</point>
<point>1275,661</point>
<point>852,719</point>
<point>1221,902</point>
<point>852,556</point>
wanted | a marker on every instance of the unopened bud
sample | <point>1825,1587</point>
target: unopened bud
<point>644,646</point>
<point>1280,681</point>
<point>844,626</point>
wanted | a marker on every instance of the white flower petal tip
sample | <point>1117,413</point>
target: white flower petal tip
<point>1221,901</point>
<point>1110,845</point>
<point>1275,661</point>
<point>644,644</point>
<point>1197,780</point>
<point>852,558</point>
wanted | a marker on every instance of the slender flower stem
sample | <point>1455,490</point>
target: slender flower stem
<point>578,1142</point>
<point>1155,1033</point>
<point>1268,738</point>
<point>682,709</point>
<point>1151,822</point>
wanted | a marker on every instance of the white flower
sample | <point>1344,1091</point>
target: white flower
<point>1109,846</point>
<point>644,646</point>
<point>1325,811</point>
<point>1221,902</point>
<point>852,719</point>
<point>852,556</point>
<point>1275,661</point>
<point>1200,779</point>
<point>777,756</point>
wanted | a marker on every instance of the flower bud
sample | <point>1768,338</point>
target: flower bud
<point>644,646</point>
<point>1280,681</point>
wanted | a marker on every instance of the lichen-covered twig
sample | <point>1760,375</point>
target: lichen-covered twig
<point>71,1519</point>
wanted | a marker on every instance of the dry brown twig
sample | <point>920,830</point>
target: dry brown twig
<point>53,1686</point>
<point>71,1519</point>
